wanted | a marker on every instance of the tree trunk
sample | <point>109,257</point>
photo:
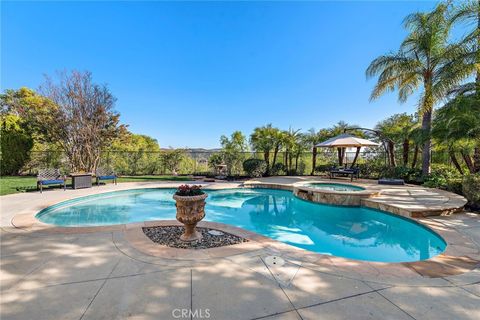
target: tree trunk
<point>427,145</point>
<point>406,150</point>
<point>468,162</point>
<point>476,159</point>
<point>391,153</point>
<point>275,152</point>
<point>314,160</point>
<point>455,161</point>
<point>356,157</point>
<point>427,109</point>
<point>266,155</point>
<point>415,156</point>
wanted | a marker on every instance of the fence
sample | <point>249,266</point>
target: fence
<point>197,162</point>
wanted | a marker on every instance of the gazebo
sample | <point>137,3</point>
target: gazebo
<point>343,141</point>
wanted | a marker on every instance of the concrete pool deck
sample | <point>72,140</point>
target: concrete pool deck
<point>101,274</point>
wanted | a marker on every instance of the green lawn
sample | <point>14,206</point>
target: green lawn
<point>15,184</point>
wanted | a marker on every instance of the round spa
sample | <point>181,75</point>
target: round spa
<point>350,232</point>
<point>340,194</point>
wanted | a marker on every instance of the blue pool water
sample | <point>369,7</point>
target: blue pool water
<point>350,232</point>
<point>335,187</point>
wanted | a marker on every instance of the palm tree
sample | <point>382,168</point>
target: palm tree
<point>467,13</point>
<point>290,141</point>
<point>263,139</point>
<point>398,128</point>
<point>423,60</point>
<point>457,126</point>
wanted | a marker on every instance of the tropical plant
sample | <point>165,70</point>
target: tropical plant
<point>398,128</point>
<point>264,139</point>
<point>467,15</point>
<point>457,127</point>
<point>423,60</point>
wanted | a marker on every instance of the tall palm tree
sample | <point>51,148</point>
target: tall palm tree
<point>263,139</point>
<point>423,61</point>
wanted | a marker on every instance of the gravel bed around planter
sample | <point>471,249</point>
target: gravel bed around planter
<point>170,236</point>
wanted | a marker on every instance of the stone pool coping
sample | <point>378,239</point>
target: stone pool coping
<point>304,191</point>
<point>460,256</point>
<point>375,196</point>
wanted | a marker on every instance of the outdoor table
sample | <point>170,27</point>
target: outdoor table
<point>81,180</point>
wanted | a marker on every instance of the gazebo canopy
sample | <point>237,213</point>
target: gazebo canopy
<point>346,140</point>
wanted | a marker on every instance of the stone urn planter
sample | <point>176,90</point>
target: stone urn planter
<point>190,210</point>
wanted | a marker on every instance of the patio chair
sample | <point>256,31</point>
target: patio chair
<point>352,172</point>
<point>50,176</point>
<point>103,174</point>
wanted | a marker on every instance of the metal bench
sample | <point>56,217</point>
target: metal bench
<point>104,174</point>
<point>47,177</point>
<point>353,173</point>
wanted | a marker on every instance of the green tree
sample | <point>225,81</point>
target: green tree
<point>82,119</point>
<point>457,127</point>
<point>467,15</point>
<point>134,154</point>
<point>171,159</point>
<point>423,60</point>
<point>398,128</point>
<point>233,150</point>
<point>18,133</point>
<point>16,143</point>
<point>264,139</point>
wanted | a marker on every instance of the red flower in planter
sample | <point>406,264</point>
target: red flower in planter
<point>189,190</point>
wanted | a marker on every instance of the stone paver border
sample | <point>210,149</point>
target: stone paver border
<point>460,256</point>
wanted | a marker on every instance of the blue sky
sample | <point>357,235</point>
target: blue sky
<point>187,72</point>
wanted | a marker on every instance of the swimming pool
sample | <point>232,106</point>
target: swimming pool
<point>350,232</point>
<point>334,186</point>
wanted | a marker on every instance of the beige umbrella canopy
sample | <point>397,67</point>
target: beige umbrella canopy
<point>343,141</point>
<point>346,140</point>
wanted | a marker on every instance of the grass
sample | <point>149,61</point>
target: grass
<point>16,184</point>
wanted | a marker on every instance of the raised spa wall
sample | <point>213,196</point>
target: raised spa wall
<point>339,198</point>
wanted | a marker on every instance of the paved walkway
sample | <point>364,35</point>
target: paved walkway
<point>101,276</point>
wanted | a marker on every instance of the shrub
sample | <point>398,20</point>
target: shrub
<point>405,173</point>
<point>443,177</point>
<point>255,167</point>
<point>471,190</point>
<point>371,170</point>
<point>278,169</point>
